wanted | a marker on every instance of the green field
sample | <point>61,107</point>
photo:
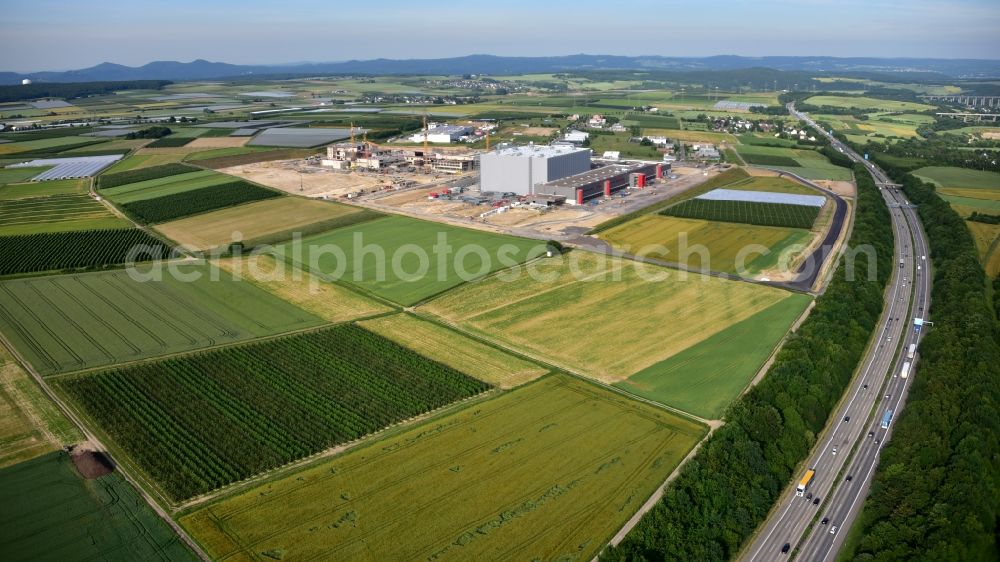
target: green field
<point>867,103</point>
<point>107,317</point>
<point>52,513</point>
<point>952,177</point>
<point>704,378</point>
<point>771,184</point>
<point>17,175</point>
<point>261,405</point>
<point>52,145</point>
<point>403,240</point>
<point>658,236</point>
<point>546,472</point>
<point>601,317</point>
<point>808,163</point>
<point>159,187</point>
<point>55,213</point>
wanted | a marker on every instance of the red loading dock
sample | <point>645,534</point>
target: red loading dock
<point>602,181</point>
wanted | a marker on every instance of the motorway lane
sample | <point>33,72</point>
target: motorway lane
<point>787,524</point>
<point>847,500</point>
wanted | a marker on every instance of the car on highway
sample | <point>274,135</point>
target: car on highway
<point>833,530</point>
<point>825,520</point>
<point>815,501</point>
<point>866,386</point>
<point>849,478</point>
<point>847,418</point>
<point>871,434</point>
<point>809,496</point>
<point>835,450</point>
<point>786,548</point>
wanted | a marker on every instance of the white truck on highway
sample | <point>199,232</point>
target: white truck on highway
<point>905,372</point>
<point>911,351</point>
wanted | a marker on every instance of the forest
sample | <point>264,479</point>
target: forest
<point>936,492</point>
<point>75,89</point>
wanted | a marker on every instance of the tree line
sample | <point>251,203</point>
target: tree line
<point>936,493</point>
<point>75,89</point>
<point>724,492</point>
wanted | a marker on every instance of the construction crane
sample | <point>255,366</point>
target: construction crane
<point>427,152</point>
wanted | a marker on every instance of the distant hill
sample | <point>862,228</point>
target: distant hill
<point>490,64</point>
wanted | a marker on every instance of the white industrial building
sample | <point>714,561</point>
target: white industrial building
<point>442,134</point>
<point>519,169</point>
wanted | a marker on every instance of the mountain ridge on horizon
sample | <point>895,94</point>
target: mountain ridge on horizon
<point>201,69</point>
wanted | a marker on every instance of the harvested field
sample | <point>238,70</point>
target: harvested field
<point>460,352</point>
<point>261,405</point>
<point>136,320</point>
<point>244,155</point>
<point>330,302</point>
<point>51,513</point>
<point>30,423</point>
<point>660,237</point>
<point>218,142</point>
<point>406,246</point>
<point>260,220</point>
<point>600,316</point>
<point>549,472</point>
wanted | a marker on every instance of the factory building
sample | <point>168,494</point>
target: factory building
<point>519,169</point>
<point>442,134</point>
<point>603,181</point>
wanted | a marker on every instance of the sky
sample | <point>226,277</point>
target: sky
<point>60,35</point>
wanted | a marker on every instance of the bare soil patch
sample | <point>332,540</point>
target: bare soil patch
<point>92,464</point>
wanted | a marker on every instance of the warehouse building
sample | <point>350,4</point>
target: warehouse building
<point>603,181</point>
<point>519,169</point>
<point>442,134</point>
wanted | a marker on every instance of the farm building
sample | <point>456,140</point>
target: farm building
<point>603,181</point>
<point>442,134</point>
<point>519,169</point>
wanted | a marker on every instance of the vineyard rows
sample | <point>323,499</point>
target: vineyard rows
<point>178,205</point>
<point>143,174</point>
<point>89,249</point>
<point>203,421</point>
<point>762,214</point>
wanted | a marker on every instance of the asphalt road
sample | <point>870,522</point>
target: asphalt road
<point>856,423</point>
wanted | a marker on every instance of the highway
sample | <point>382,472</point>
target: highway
<point>850,446</point>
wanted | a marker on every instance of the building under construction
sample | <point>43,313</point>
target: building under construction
<point>369,156</point>
<point>603,181</point>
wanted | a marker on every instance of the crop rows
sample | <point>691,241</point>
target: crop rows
<point>169,142</point>
<point>203,421</point>
<point>143,174</point>
<point>762,214</point>
<point>769,160</point>
<point>88,249</point>
<point>178,205</point>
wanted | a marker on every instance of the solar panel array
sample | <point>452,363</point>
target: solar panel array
<point>726,105</point>
<point>66,168</point>
<point>763,197</point>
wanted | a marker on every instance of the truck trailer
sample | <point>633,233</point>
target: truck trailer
<point>804,483</point>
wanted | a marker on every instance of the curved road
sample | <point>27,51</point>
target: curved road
<point>850,445</point>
